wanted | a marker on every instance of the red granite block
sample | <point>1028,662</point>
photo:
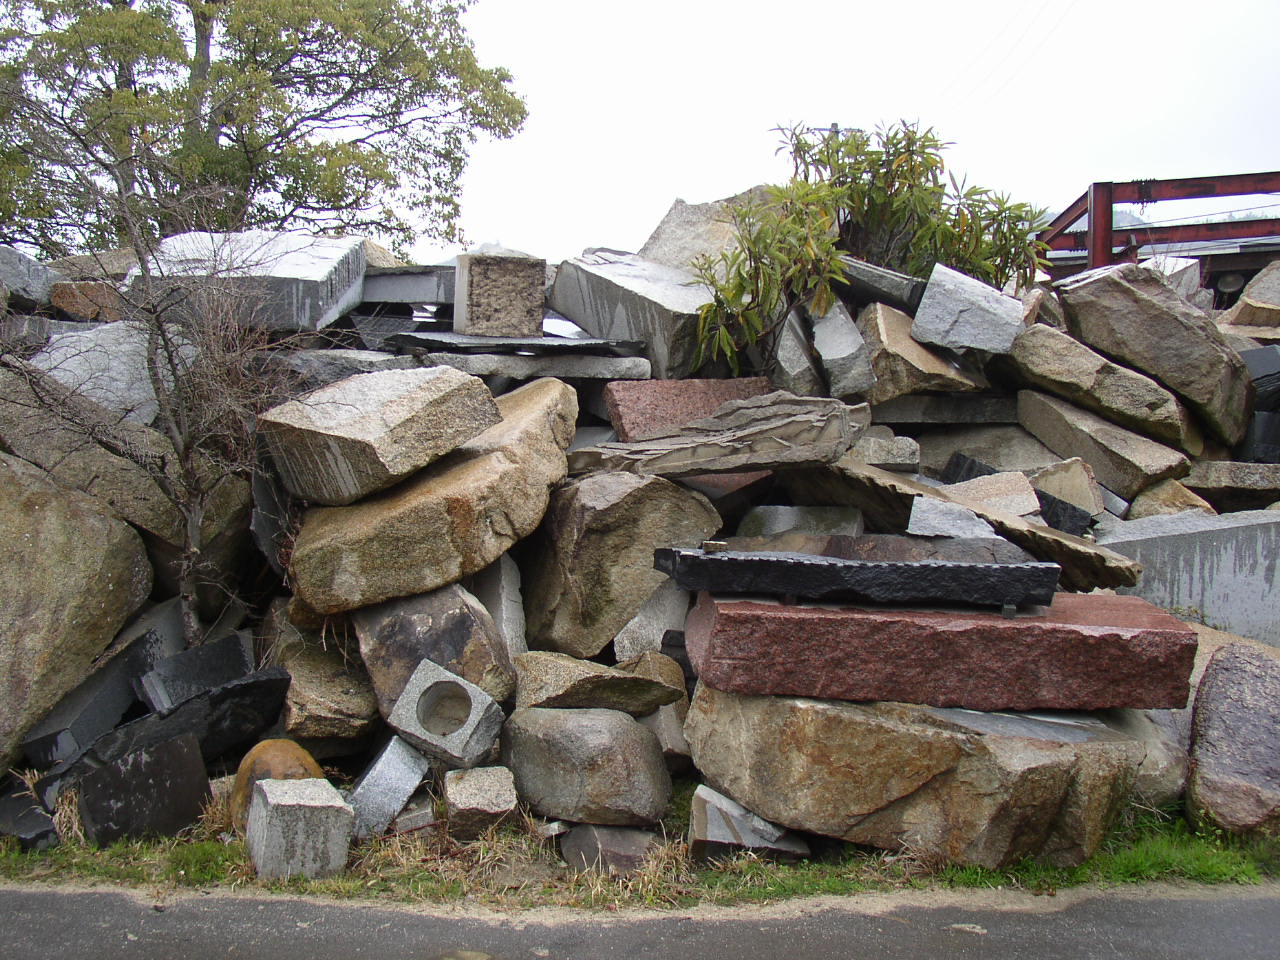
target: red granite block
<point>639,408</point>
<point>1084,652</point>
<point>88,300</point>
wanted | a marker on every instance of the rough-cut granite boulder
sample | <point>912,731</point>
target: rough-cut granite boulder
<point>452,519</point>
<point>900,364</point>
<point>1135,316</point>
<point>558,680</point>
<point>758,433</point>
<point>588,766</point>
<point>594,567</point>
<point>352,438</point>
<point>1049,360</point>
<point>962,313</point>
<point>639,408</point>
<point>1085,652</point>
<point>966,787</point>
<point>1235,745</point>
<point>70,575</point>
<point>448,626</point>
<point>1123,461</point>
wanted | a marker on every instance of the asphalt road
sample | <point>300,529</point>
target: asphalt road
<point>1149,923</point>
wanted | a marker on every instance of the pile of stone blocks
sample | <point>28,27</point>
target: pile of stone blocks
<point>539,562</point>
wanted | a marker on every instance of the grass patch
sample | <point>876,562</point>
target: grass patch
<point>512,867</point>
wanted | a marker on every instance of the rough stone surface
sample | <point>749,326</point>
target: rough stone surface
<point>1084,653</point>
<point>156,791</point>
<point>950,410</point>
<point>478,799</point>
<point>624,297</point>
<point>1049,360</point>
<point>865,283</point>
<point>690,230</point>
<point>795,364</point>
<point>1162,775</point>
<point>940,518</point>
<point>451,520</point>
<point>966,787</point>
<point>880,448</point>
<point>561,338</point>
<point>1010,492</point>
<point>664,610</point>
<point>1221,570</point>
<point>499,296</point>
<point>1235,771</point>
<point>1135,316</point>
<point>24,819</point>
<point>843,354</point>
<point>414,283</point>
<point>1231,486</point>
<point>448,626</point>
<point>1122,460</point>
<point>386,786</point>
<point>782,574</point>
<point>446,717</point>
<point>1259,304</point>
<point>204,667</point>
<point>642,408</point>
<point>588,766</point>
<point>617,851</point>
<point>902,365</point>
<point>282,281</point>
<point>28,281</point>
<point>886,499</point>
<point>759,433</point>
<point>602,530</point>
<point>962,313</point>
<point>1002,448</point>
<point>720,827</point>
<point>558,680</point>
<point>497,588</point>
<point>313,369</point>
<point>298,828</point>
<point>71,575</point>
<point>362,434</point>
<point>268,760</point>
<point>520,367</point>
<point>767,520</point>
<point>1166,497</point>
<point>90,300</point>
<point>1071,481</point>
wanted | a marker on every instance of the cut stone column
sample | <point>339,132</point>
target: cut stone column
<point>478,799</point>
<point>499,295</point>
<point>298,828</point>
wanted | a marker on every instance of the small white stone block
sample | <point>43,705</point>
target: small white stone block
<point>298,828</point>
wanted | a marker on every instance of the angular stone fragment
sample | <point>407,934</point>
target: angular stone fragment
<point>565,366</point>
<point>1121,460</point>
<point>1235,770</point>
<point>447,626</point>
<point>640,409</point>
<point>765,521</point>
<point>204,667</point>
<point>795,367</point>
<point>446,717</point>
<point>362,434</point>
<point>1231,486</point>
<point>962,313</point>
<point>1135,316</point>
<point>478,799</point>
<point>23,818</point>
<point>941,518</point>
<point>1008,492</point>
<point>1072,481</point>
<point>28,281</point>
<point>720,827</point>
<point>878,447</point>
<point>865,283</point>
<point>1002,448</point>
<point>601,531</point>
<point>412,283</point>
<point>665,610</point>
<point>588,766</point>
<point>386,786</point>
<point>497,588</point>
<point>557,680</point>
<point>966,787</point>
<point>280,281</point>
<point>499,296</point>
<point>1259,303</point>
<point>1049,360</point>
<point>759,433</point>
<point>449,521</point>
<point>1220,570</point>
<point>1084,653</point>
<point>616,851</point>
<point>273,759</point>
<point>298,828</point>
<point>313,369</point>
<point>70,576</point>
<point>691,230</point>
<point>887,499</point>
<point>1166,497</point>
<point>1162,775</point>
<point>90,300</point>
<point>901,365</point>
<point>866,581</point>
<point>155,791</point>
<point>843,354</point>
<point>930,410</point>
<point>624,297</point>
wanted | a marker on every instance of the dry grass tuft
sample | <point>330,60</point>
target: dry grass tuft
<point>66,819</point>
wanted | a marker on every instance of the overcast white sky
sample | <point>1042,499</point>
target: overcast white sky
<point>632,105</point>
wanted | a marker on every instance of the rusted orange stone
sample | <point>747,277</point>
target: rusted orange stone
<point>269,760</point>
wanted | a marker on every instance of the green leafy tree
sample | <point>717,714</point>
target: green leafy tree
<point>882,197</point>
<point>226,114</point>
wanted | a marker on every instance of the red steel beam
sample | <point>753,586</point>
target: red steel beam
<point>1077,209</point>
<point>1192,188</point>
<point>1100,232</point>
<point>1180,233</point>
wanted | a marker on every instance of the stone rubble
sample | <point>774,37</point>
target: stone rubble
<point>493,538</point>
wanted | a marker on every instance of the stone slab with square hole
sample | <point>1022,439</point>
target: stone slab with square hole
<point>447,717</point>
